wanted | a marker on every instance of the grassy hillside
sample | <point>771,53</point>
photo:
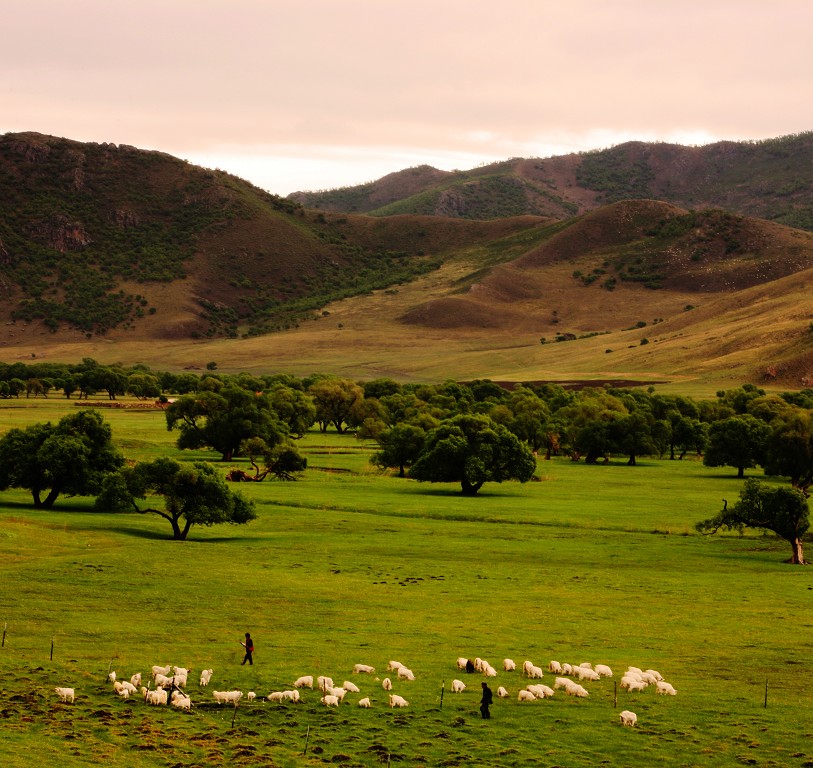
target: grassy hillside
<point>771,179</point>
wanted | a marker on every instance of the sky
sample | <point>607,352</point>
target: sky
<point>317,94</point>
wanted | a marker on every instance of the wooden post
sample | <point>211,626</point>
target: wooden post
<point>307,736</point>
<point>234,715</point>
<point>4,635</point>
<point>765,706</point>
<point>109,667</point>
<point>442,690</point>
<point>52,649</point>
<point>615,694</point>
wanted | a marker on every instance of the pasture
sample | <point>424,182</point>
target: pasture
<point>351,565</point>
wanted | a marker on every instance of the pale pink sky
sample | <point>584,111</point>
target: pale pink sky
<point>313,94</point>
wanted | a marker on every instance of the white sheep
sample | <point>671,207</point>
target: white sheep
<point>603,670</point>
<point>628,718</point>
<point>386,684</point>
<point>180,700</point>
<point>123,692</point>
<point>540,691</point>
<point>157,697</point>
<point>276,696</point>
<point>66,694</point>
<point>525,696</point>
<point>135,680</point>
<point>562,682</point>
<point>181,671</point>
<point>338,692</point>
<point>128,686</point>
<point>392,666</point>
<point>398,701</point>
<point>363,669</point>
<point>587,674</point>
<point>405,674</point>
<point>251,696</point>
<point>633,685</point>
<point>555,667</point>
<point>205,677</point>
<point>654,672</point>
<point>574,689</point>
<point>567,669</point>
<point>324,683</point>
<point>458,686</point>
<point>162,681</point>
<point>502,693</point>
<point>227,697</point>
<point>306,681</point>
<point>158,670</point>
<point>586,665</point>
<point>508,665</point>
<point>365,703</point>
<point>489,671</point>
<point>462,663</point>
<point>111,677</point>
<point>526,666</point>
<point>291,695</point>
<point>329,700</point>
<point>665,688</point>
<point>534,672</point>
<point>350,687</point>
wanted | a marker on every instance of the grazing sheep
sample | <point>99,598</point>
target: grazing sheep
<point>135,680</point>
<point>128,686</point>
<point>162,681</point>
<point>603,670</point>
<point>330,700</point>
<point>386,684</point>
<point>462,663</point>
<point>525,696</point>
<point>365,703</point>
<point>350,687</point>
<point>574,689</point>
<point>584,673</point>
<point>227,697</point>
<point>654,672</point>
<point>489,671</point>
<point>276,696</point>
<point>363,669</point>
<point>398,701</point>
<point>123,692</point>
<point>66,694</point>
<point>205,677</point>
<point>182,671</point>
<point>306,681</point>
<point>562,682</point>
<point>502,693</point>
<point>586,665</point>
<point>339,693</point>
<point>534,672</point>
<point>157,670</point>
<point>405,674</point>
<point>458,686</point>
<point>157,697</point>
<point>567,669</point>
<point>392,666</point>
<point>508,665</point>
<point>665,688</point>
<point>526,666</point>
<point>628,718</point>
<point>555,667</point>
<point>291,695</point>
<point>251,696</point>
<point>633,685</point>
<point>540,691</point>
<point>181,701</point>
<point>324,683</point>
<point>111,677</point>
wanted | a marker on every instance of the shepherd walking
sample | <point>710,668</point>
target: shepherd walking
<point>249,646</point>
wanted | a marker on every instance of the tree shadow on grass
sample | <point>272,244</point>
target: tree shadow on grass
<point>453,493</point>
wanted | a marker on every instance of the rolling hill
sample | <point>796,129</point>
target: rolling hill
<point>120,254</point>
<point>771,179</point>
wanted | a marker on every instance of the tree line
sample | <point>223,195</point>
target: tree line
<point>452,432</point>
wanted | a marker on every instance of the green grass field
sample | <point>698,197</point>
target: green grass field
<point>351,565</point>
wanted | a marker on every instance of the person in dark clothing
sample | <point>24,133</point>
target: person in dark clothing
<point>249,646</point>
<point>486,701</point>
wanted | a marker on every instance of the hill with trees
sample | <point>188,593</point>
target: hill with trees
<point>770,179</point>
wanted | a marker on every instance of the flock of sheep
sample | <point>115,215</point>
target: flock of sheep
<point>170,682</point>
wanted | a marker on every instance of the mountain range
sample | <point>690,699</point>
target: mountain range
<point>648,260</point>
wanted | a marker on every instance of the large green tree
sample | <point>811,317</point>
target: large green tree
<point>400,446</point>
<point>471,449</point>
<point>69,458</point>
<point>789,448</point>
<point>738,441</point>
<point>782,510</point>
<point>222,420</point>
<point>193,494</point>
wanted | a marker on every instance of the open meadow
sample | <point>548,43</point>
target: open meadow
<point>352,565</point>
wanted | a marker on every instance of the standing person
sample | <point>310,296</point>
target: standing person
<point>486,701</point>
<point>249,646</point>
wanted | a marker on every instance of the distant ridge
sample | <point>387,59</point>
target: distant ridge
<point>770,179</point>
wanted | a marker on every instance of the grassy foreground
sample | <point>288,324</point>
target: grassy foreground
<point>349,565</point>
